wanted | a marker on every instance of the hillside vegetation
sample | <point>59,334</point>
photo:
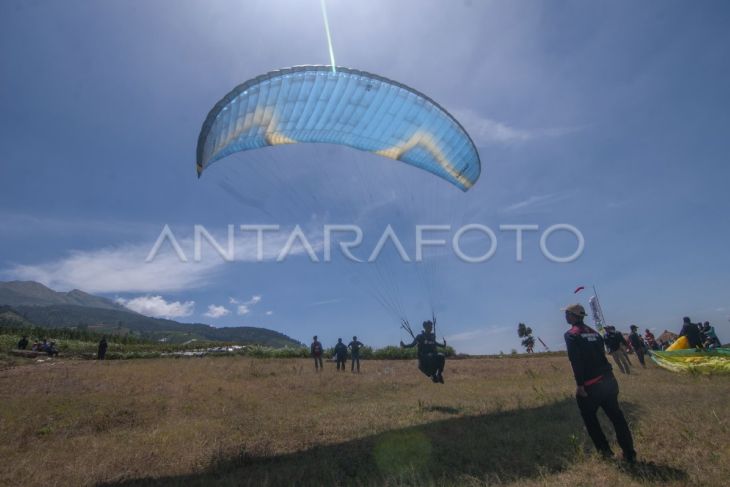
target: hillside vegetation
<point>37,305</point>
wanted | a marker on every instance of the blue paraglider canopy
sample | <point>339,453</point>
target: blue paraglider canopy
<point>315,104</point>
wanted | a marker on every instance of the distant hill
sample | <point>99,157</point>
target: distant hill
<point>34,303</point>
<point>31,293</point>
<point>10,317</point>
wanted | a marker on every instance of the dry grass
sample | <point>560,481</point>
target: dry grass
<point>241,421</point>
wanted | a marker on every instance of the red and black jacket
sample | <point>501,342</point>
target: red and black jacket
<point>586,354</point>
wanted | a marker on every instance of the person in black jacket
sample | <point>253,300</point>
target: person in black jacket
<point>615,346</point>
<point>637,344</point>
<point>430,361</point>
<point>101,353</point>
<point>23,343</point>
<point>692,332</point>
<point>595,383</point>
<point>340,354</point>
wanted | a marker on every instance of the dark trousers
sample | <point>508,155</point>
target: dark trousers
<point>432,364</point>
<point>318,362</point>
<point>341,362</point>
<point>353,359</point>
<point>640,355</point>
<point>605,395</point>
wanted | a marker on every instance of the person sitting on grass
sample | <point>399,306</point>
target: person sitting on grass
<point>711,340</point>
<point>430,361</point>
<point>51,349</point>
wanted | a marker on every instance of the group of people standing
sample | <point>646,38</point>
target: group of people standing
<point>698,335</point>
<point>618,346</point>
<point>340,352</point>
<point>430,361</point>
<point>596,386</point>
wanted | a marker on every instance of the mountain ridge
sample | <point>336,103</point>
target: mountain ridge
<point>44,307</point>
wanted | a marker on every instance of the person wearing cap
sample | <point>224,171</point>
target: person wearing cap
<point>596,386</point>
<point>637,344</point>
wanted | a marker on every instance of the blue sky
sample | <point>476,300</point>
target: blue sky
<point>612,117</point>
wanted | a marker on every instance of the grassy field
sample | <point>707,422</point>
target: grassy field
<point>244,421</point>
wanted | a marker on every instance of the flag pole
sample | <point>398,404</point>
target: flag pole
<point>600,308</point>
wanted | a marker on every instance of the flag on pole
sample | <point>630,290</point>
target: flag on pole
<point>597,313</point>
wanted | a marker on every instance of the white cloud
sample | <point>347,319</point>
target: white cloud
<point>269,313</point>
<point>537,202</point>
<point>476,341</point>
<point>117,269</point>
<point>215,311</point>
<point>485,131</point>
<point>326,301</point>
<point>124,268</point>
<point>244,307</point>
<point>158,307</point>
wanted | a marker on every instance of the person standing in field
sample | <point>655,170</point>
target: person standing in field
<point>316,350</point>
<point>23,343</point>
<point>340,354</point>
<point>650,340</point>
<point>596,386</point>
<point>637,344</point>
<point>101,353</point>
<point>614,342</point>
<point>354,347</point>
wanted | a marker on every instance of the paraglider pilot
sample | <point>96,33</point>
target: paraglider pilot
<point>596,385</point>
<point>430,361</point>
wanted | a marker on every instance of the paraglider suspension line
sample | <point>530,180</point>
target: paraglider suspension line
<point>407,327</point>
<point>329,36</point>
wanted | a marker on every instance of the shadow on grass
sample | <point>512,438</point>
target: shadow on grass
<point>651,472</point>
<point>497,447</point>
<point>441,409</point>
